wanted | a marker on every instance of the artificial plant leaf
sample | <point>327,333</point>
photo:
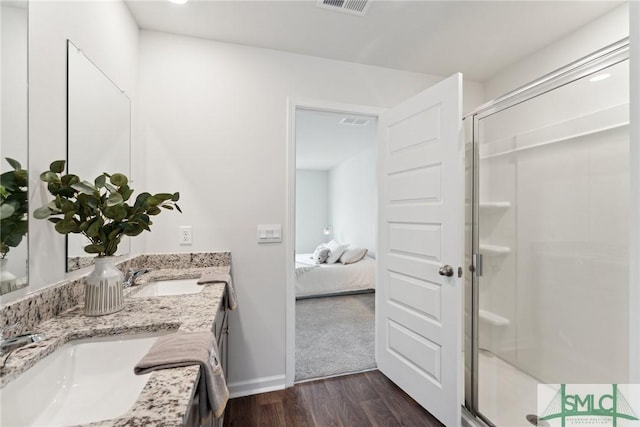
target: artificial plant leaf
<point>100,181</point>
<point>69,179</point>
<point>8,180</point>
<point>49,176</point>
<point>119,179</point>
<point>114,234</point>
<point>67,226</point>
<point>134,231</point>
<point>22,176</point>
<point>14,163</point>
<point>178,208</point>
<point>21,227</point>
<point>169,207</point>
<point>62,204</point>
<point>94,249</point>
<point>89,202</point>
<point>152,201</point>
<point>175,197</point>
<point>141,199</point>
<point>94,227</point>
<point>42,213</point>
<point>84,187</point>
<point>115,199</point>
<point>125,191</point>
<point>53,207</point>
<point>153,210</point>
<point>116,212</point>
<point>13,239</point>
<point>163,197</point>
<point>6,210</point>
<point>57,166</point>
<point>63,190</point>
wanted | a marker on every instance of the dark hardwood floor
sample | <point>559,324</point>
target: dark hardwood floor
<point>365,399</point>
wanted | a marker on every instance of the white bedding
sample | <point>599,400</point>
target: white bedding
<point>321,279</point>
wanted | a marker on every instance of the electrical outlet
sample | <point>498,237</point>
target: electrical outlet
<point>186,235</point>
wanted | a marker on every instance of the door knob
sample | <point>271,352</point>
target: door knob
<point>446,270</point>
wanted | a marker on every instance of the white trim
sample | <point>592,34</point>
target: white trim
<point>256,386</point>
<point>289,228</point>
<point>634,196</point>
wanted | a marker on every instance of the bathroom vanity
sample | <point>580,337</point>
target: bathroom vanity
<point>169,397</point>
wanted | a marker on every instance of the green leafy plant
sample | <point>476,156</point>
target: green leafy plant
<point>99,211</point>
<point>14,207</point>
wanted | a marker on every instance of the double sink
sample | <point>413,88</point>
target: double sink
<point>86,380</point>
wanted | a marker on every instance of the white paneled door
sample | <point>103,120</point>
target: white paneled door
<point>418,292</point>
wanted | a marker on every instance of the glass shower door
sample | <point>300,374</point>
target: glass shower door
<point>552,209</point>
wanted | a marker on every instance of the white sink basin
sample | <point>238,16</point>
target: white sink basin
<point>161,288</point>
<point>81,382</point>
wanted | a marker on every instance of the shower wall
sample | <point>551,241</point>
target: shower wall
<point>553,217</point>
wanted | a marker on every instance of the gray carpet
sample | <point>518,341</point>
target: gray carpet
<point>334,335</point>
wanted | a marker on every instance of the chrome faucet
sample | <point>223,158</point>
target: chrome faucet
<point>16,341</point>
<point>131,275</point>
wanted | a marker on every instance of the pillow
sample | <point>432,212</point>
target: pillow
<point>352,255</point>
<point>321,253</point>
<point>337,249</point>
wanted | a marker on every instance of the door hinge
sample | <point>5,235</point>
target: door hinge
<point>459,272</point>
<point>477,264</point>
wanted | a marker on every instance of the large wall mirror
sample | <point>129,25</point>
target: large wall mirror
<point>99,135</point>
<point>13,145</point>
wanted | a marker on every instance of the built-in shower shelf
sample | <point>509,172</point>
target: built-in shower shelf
<point>495,205</point>
<point>494,250</point>
<point>493,318</point>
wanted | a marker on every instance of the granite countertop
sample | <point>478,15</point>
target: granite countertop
<point>166,397</point>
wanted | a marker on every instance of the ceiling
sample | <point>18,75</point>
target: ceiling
<point>322,142</point>
<point>478,38</point>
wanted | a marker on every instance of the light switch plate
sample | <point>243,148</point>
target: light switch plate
<point>269,233</point>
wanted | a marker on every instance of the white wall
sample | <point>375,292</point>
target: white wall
<point>312,209</point>
<point>214,121</point>
<point>13,122</point>
<point>109,36</point>
<point>352,200</point>
<point>591,37</point>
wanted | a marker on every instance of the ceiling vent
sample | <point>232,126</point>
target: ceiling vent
<point>353,7</point>
<point>354,122</point>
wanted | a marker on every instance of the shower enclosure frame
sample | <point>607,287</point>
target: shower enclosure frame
<point>593,63</point>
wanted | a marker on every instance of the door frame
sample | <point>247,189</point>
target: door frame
<point>293,104</point>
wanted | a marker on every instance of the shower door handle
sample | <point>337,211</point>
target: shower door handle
<point>446,270</point>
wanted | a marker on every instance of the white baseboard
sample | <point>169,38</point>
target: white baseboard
<point>256,386</point>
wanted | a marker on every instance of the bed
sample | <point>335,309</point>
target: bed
<point>329,279</point>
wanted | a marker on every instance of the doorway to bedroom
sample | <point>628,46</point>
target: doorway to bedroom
<point>335,242</point>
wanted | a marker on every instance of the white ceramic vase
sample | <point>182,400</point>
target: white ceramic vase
<point>7,280</point>
<point>103,288</point>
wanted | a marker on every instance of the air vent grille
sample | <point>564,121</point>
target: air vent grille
<point>353,121</point>
<point>353,7</point>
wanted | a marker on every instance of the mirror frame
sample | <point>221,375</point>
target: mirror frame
<point>24,160</point>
